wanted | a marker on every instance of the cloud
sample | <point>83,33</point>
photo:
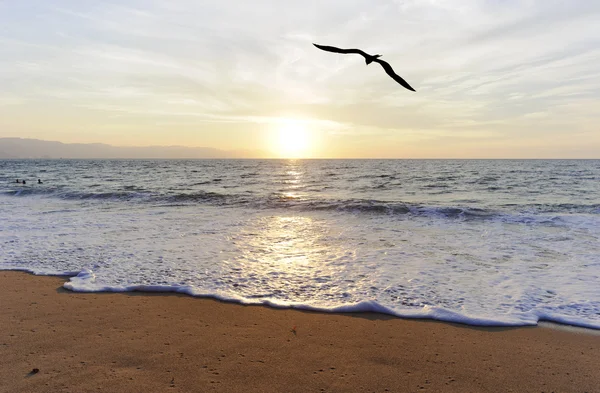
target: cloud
<point>506,70</point>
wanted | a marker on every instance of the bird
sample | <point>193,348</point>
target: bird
<point>369,59</point>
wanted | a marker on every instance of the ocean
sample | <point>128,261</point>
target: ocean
<point>480,242</point>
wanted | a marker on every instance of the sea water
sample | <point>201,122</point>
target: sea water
<point>482,242</point>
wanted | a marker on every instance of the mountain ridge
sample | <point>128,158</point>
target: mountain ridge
<point>23,148</point>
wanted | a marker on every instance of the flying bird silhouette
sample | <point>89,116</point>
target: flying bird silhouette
<point>369,59</point>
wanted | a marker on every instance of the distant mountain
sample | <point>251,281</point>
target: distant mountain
<point>35,148</point>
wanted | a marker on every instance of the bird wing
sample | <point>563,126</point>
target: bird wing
<point>339,50</point>
<point>390,71</point>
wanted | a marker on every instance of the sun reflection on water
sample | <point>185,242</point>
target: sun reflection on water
<point>286,257</point>
<point>293,182</point>
<point>291,257</point>
<point>287,241</point>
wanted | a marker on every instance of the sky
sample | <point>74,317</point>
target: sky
<point>493,78</point>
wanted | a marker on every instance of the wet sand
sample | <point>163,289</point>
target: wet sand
<point>148,342</point>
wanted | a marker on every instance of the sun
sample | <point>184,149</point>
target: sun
<point>293,140</point>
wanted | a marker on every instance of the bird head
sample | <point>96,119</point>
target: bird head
<point>370,59</point>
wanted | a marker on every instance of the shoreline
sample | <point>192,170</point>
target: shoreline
<point>541,323</point>
<point>132,341</point>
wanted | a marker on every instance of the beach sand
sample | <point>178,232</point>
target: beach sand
<point>140,342</point>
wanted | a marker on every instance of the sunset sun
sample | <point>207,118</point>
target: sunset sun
<point>293,140</point>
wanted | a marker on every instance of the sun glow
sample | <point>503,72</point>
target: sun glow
<point>293,140</point>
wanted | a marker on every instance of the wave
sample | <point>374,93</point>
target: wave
<point>84,281</point>
<point>582,208</point>
<point>278,200</point>
<point>126,194</point>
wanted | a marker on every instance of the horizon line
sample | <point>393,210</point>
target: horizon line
<point>286,159</point>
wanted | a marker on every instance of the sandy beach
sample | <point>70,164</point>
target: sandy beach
<point>136,342</point>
